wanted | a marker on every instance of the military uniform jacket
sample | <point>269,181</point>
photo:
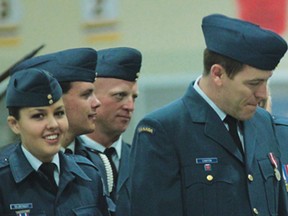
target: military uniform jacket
<point>122,195</point>
<point>92,155</point>
<point>184,163</point>
<point>281,127</point>
<point>22,190</point>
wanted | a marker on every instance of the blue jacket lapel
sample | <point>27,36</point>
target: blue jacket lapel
<point>124,166</point>
<point>201,112</point>
<point>20,167</point>
<point>250,137</point>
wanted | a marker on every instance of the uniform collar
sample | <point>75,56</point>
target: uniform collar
<point>70,164</point>
<point>36,163</point>
<point>197,88</point>
<point>19,165</point>
<point>71,146</point>
<point>88,142</point>
<point>21,168</point>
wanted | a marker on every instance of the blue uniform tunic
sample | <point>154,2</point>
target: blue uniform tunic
<point>122,195</point>
<point>80,190</point>
<point>281,127</point>
<point>184,163</point>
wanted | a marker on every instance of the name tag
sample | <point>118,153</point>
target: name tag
<point>206,160</point>
<point>18,206</point>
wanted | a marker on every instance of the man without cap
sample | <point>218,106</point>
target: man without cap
<point>116,87</point>
<point>213,152</point>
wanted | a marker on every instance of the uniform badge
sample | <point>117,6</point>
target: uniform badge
<point>23,213</point>
<point>275,165</point>
<point>207,167</point>
<point>18,206</point>
<point>21,209</point>
<point>146,129</point>
<point>206,160</point>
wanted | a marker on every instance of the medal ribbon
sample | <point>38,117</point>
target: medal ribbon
<point>285,172</point>
<point>273,160</point>
<point>275,165</point>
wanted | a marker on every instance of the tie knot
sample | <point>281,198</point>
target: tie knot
<point>109,152</point>
<point>230,120</point>
<point>68,151</point>
<point>48,168</point>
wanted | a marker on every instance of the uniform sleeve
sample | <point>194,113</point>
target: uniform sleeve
<point>155,173</point>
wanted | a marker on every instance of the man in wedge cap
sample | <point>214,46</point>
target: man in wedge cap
<point>116,87</point>
<point>213,151</point>
<point>37,179</point>
<point>74,69</point>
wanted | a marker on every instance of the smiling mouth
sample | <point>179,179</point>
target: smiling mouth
<point>52,137</point>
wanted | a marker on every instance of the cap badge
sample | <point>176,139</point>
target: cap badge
<point>49,97</point>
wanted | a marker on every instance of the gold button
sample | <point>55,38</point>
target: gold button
<point>209,177</point>
<point>50,101</point>
<point>49,96</point>
<point>255,211</point>
<point>250,177</point>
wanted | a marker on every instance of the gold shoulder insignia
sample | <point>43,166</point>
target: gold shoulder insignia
<point>146,129</point>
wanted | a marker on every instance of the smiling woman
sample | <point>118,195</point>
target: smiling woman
<point>37,115</point>
<point>41,129</point>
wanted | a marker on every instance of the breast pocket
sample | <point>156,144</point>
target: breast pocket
<point>270,183</point>
<point>209,193</point>
<point>87,211</point>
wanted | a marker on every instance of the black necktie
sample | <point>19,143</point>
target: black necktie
<point>68,151</point>
<point>48,170</point>
<point>109,152</point>
<point>232,124</point>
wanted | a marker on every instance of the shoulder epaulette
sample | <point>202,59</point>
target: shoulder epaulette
<point>4,162</point>
<point>280,120</point>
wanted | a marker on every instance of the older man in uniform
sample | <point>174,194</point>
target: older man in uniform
<point>116,87</point>
<point>213,151</point>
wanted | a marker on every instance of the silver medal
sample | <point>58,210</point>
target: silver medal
<point>277,174</point>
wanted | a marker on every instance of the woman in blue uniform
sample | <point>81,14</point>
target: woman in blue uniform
<point>37,179</point>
